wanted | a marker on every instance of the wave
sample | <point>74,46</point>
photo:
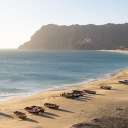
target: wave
<point>53,87</point>
<point>53,71</point>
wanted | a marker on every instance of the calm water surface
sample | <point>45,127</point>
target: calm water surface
<point>28,72</point>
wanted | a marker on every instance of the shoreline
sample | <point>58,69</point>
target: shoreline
<point>65,86</point>
<point>120,51</point>
<point>29,94</point>
<point>71,111</point>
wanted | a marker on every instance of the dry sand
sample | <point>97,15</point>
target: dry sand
<point>71,111</point>
<point>123,51</point>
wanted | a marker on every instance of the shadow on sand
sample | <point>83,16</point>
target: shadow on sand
<point>62,110</point>
<point>117,89</point>
<point>85,98</point>
<point>50,114</point>
<point>45,115</point>
<point>5,115</point>
<point>100,94</point>
<point>30,120</point>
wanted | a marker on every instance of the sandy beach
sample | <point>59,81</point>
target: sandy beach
<point>122,51</point>
<point>71,111</point>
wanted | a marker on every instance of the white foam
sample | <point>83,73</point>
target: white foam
<point>8,96</point>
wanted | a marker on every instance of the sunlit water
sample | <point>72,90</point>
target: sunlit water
<point>28,72</point>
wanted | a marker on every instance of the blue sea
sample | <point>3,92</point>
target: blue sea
<point>28,72</point>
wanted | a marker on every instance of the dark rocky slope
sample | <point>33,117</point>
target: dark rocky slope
<point>79,37</point>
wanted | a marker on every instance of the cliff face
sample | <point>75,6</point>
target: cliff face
<point>79,37</point>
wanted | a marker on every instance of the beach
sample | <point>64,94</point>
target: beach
<point>118,50</point>
<point>71,111</point>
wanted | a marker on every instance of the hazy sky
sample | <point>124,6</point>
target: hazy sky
<point>20,19</point>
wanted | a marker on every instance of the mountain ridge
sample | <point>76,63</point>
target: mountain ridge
<point>79,37</point>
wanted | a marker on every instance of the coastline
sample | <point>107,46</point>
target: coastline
<point>71,111</point>
<point>121,51</point>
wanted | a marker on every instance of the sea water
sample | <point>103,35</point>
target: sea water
<point>28,72</point>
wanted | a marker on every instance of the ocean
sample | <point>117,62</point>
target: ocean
<point>28,72</point>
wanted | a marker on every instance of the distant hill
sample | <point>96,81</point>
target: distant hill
<point>79,37</point>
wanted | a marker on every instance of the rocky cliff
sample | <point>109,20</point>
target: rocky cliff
<point>79,37</point>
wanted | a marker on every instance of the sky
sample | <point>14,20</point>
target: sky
<point>20,19</point>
